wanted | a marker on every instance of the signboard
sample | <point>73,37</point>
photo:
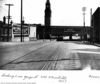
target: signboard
<point>17,30</point>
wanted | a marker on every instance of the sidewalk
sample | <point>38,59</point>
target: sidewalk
<point>95,44</point>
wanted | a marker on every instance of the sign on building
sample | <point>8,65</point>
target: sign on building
<point>17,30</point>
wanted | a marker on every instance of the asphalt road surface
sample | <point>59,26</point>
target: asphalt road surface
<point>56,56</point>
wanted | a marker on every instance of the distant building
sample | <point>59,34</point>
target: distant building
<point>47,20</point>
<point>96,25</point>
<point>62,31</point>
<point>4,30</point>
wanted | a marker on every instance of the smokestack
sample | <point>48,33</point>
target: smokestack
<point>4,20</point>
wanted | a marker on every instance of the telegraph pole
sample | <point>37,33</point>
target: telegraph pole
<point>21,20</point>
<point>8,19</point>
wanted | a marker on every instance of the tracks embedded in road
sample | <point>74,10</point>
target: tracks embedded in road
<point>52,62</point>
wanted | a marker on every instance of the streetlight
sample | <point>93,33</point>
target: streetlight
<point>84,9</point>
<point>92,28</point>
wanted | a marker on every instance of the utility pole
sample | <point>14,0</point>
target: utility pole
<point>8,19</point>
<point>21,20</point>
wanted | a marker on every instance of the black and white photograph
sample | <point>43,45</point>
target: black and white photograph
<point>58,37</point>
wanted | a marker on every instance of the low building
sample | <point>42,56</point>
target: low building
<point>56,32</point>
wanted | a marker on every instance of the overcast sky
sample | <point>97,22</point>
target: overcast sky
<point>64,12</point>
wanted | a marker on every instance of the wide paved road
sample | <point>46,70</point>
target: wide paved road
<point>59,56</point>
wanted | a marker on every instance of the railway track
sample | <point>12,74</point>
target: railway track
<point>51,64</point>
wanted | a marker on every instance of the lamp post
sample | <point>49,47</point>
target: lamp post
<point>84,9</point>
<point>92,27</point>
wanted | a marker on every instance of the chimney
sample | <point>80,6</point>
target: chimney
<point>4,20</point>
